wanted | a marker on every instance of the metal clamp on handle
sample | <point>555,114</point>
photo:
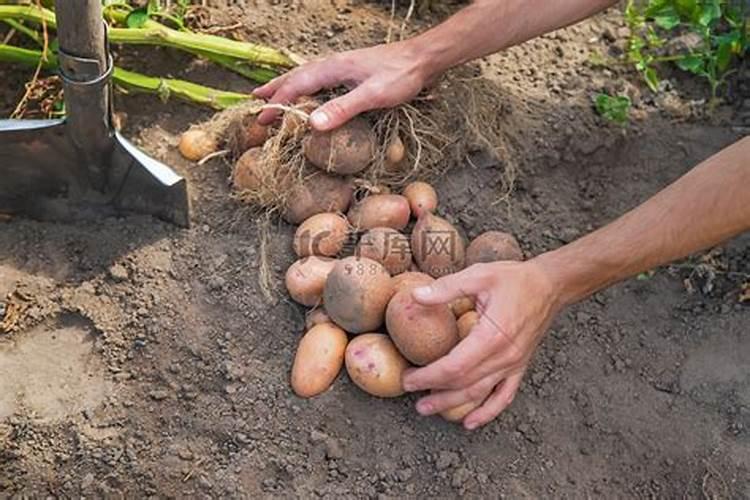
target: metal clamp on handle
<point>83,71</point>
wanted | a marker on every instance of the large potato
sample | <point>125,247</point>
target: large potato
<point>322,234</point>
<point>356,294</point>
<point>346,150</point>
<point>380,210</point>
<point>387,246</point>
<point>422,198</point>
<point>437,246</point>
<point>411,279</point>
<point>422,333</point>
<point>306,279</point>
<point>318,193</point>
<point>375,365</point>
<point>493,246</point>
<point>319,359</point>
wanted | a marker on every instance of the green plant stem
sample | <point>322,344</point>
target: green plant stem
<point>25,30</point>
<point>136,82</point>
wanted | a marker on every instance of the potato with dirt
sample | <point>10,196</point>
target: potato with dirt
<point>248,173</point>
<point>316,317</point>
<point>318,361</point>
<point>466,323</point>
<point>356,294</point>
<point>196,144</point>
<point>380,210</point>
<point>493,246</point>
<point>246,133</point>
<point>306,279</point>
<point>422,198</point>
<point>346,150</point>
<point>318,193</point>
<point>438,247</point>
<point>423,334</point>
<point>375,365</point>
<point>322,234</point>
<point>462,305</point>
<point>387,246</point>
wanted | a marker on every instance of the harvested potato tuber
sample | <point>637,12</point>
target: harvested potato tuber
<point>346,150</point>
<point>411,279</point>
<point>246,133</point>
<point>375,365</point>
<point>422,198</point>
<point>356,294</point>
<point>293,122</point>
<point>196,144</point>
<point>387,246</point>
<point>462,305</point>
<point>493,246</point>
<point>422,333</point>
<point>318,193</point>
<point>319,359</point>
<point>315,317</point>
<point>306,278</point>
<point>466,322</point>
<point>395,154</point>
<point>437,246</point>
<point>380,210</point>
<point>248,172</point>
<point>322,234</point>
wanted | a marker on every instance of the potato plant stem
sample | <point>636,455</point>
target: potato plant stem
<point>136,82</point>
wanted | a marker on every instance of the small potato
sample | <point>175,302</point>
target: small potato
<point>395,154</point>
<point>437,246</point>
<point>322,234</point>
<point>411,279</point>
<point>248,172</point>
<point>462,305</point>
<point>356,294</point>
<point>422,198</point>
<point>246,133</point>
<point>196,144</point>
<point>466,322</point>
<point>319,359</point>
<point>346,150</point>
<point>375,365</point>
<point>306,279</point>
<point>315,317</point>
<point>493,246</point>
<point>293,123</point>
<point>423,334</point>
<point>387,246</point>
<point>380,210</point>
<point>318,193</point>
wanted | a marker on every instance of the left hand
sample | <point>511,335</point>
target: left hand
<point>516,302</point>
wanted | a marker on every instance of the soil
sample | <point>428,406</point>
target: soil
<point>146,361</point>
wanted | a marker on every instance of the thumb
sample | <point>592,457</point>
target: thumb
<point>338,111</point>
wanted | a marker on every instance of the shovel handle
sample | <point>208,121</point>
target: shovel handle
<point>81,29</point>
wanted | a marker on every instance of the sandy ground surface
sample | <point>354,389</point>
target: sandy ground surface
<point>148,362</point>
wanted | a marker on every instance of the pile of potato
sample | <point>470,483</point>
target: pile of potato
<point>358,264</point>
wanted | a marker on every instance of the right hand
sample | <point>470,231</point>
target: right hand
<point>383,76</point>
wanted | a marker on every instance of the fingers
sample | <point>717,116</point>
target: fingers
<point>500,399</point>
<point>338,111</point>
<point>441,401</point>
<point>467,282</point>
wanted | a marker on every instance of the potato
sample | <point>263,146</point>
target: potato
<point>422,333</point>
<point>395,154</point>
<point>387,246</point>
<point>319,359</point>
<point>411,279</point>
<point>346,150</point>
<point>466,322</point>
<point>315,317</point>
<point>375,365</point>
<point>322,234</point>
<point>422,198</point>
<point>246,133</point>
<point>458,413</point>
<point>318,193</point>
<point>380,210</point>
<point>294,122</point>
<point>196,144</point>
<point>356,294</point>
<point>493,246</point>
<point>437,246</point>
<point>462,305</point>
<point>306,278</point>
<point>248,171</point>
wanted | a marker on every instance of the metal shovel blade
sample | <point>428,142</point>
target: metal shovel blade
<point>43,175</point>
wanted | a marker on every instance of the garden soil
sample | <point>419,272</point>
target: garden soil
<point>146,361</point>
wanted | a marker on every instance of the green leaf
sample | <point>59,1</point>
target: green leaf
<point>667,17</point>
<point>137,18</point>
<point>692,63</point>
<point>615,109</point>
<point>686,8</point>
<point>710,12</point>
<point>724,55</point>
<point>652,79</point>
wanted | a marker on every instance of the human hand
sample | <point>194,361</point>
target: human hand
<point>516,302</point>
<point>379,77</point>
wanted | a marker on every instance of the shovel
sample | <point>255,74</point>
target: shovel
<point>79,168</point>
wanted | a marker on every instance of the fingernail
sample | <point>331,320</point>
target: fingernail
<point>471,425</point>
<point>424,408</point>
<point>319,119</point>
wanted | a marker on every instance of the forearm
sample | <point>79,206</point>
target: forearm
<point>706,206</point>
<point>487,26</point>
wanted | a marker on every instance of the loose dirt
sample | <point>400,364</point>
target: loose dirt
<point>147,361</point>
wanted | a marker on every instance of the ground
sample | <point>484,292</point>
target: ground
<point>149,363</point>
